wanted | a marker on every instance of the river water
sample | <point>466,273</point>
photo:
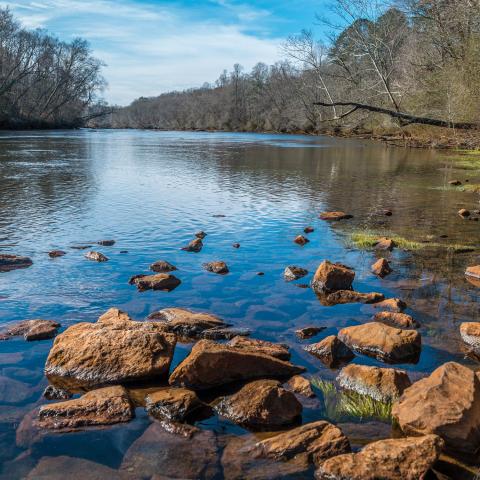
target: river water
<point>151,191</point>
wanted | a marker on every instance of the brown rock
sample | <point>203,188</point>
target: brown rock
<point>104,406</point>
<point>32,330</point>
<point>261,403</point>
<point>470,333</point>
<point>334,216</point>
<point>392,305</point>
<point>381,267</point>
<point>455,183</point>
<point>447,403</point>
<point>294,273</point>
<point>332,276</point>
<point>216,267</point>
<point>162,267</point>
<point>395,319</point>
<point>194,246</point>
<point>385,343</point>
<point>382,384</point>
<point>331,351</point>
<point>392,459</point>
<point>106,243</point>
<point>277,350</point>
<point>473,272</point>
<point>159,281</point>
<point>301,385</point>
<point>301,240</point>
<point>211,364</point>
<point>56,253</point>
<point>12,262</point>
<point>464,213</point>
<point>387,213</point>
<point>201,235</point>
<point>96,256</point>
<point>53,393</point>
<point>385,244</point>
<point>174,404</point>
<point>308,332</point>
<point>308,230</point>
<point>340,297</point>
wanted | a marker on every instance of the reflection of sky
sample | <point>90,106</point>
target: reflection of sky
<point>152,46</point>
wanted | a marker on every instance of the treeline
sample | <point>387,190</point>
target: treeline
<point>44,83</point>
<point>419,57</point>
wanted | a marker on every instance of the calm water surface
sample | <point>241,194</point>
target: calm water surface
<point>152,191</point>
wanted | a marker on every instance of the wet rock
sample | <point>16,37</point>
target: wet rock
<point>455,183</point>
<point>106,243</point>
<point>464,213</point>
<point>335,216</point>
<point>201,235</point>
<point>382,342</point>
<point>260,404</point>
<point>381,267</point>
<point>470,333</point>
<point>340,297</point>
<point>160,281</point>
<point>96,256</point>
<point>236,245</point>
<point>385,244</point>
<point>332,276</point>
<point>194,246</point>
<point>391,459</point>
<point>162,267</point>
<point>392,305</point>
<point>396,319</point>
<point>53,393</point>
<point>277,350</point>
<point>104,406</point>
<point>301,385</point>
<point>12,262</point>
<point>308,230</point>
<point>211,364</point>
<point>331,351</point>
<point>110,352</point>
<point>301,240</point>
<point>56,253</point>
<point>382,384</point>
<point>171,455</point>
<point>80,247</point>
<point>308,332</point>
<point>294,273</point>
<point>13,391</point>
<point>224,333</point>
<point>123,251</point>
<point>316,442</point>
<point>31,330</point>
<point>260,274</point>
<point>447,403</point>
<point>216,267</point>
<point>473,272</point>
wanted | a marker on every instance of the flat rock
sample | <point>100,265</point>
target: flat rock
<point>211,364</point>
<point>381,268</point>
<point>396,319</point>
<point>96,256</point>
<point>392,459</point>
<point>392,305</point>
<point>31,330</point>
<point>332,276</point>
<point>224,333</point>
<point>56,253</point>
<point>341,297</point>
<point>335,216</point>
<point>294,273</point>
<point>261,404</point>
<point>301,240</point>
<point>331,351</point>
<point>383,384</point>
<point>470,333</point>
<point>301,385</point>
<point>447,403</point>
<point>194,246</point>
<point>277,350</point>
<point>216,267</point>
<point>308,332</point>
<point>385,244</point>
<point>12,262</point>
<point>104,406</point>
<point>161,266</point>
<point>159,281</point>
<point>106,243</point>
<point>383,342</point>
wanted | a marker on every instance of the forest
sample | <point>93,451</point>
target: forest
<point>417,61</point>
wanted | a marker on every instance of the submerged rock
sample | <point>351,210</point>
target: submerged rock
<point>382,384</point>
<point>277,350</point>
<point>53,393</point>
<point>106,243</point>
<point>216,267</point>
<point>335,216</point>
<point>301,240</point>
<point>211,364</point>
<point>391,459</point>
<point>447,403</point>
<point>31,330</point>
<point>308,332</point>
<point>56,253</point>
<point>470,333</point>
<point>194,246</point>
<point>96,256</point>
<point>382,342</point>
<point>331,351</point>
<point>381,267</point>
<point>396,319</point>
<point>12,262</point>
<point>260,404</point>
<point>160,281</point>
<point>294,273</point>
<point>340,297</point>
<point>392,305</point>
<point>301,385</point>
<point>332,276</point>
<point>161,266</point>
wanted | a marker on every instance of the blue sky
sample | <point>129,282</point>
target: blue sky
<point>153,46</point>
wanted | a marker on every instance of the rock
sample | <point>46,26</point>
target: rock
<point>316,442</point>
<point>387,213</point>
<point>109,352</point>
<point>308,230</point>
<point>385,244</point>
<point>396,319</point>
<point>470,333</point>
<point>294,273</point>
<point>96,256</point>
<point>162,267</point>
<point>260,404</point>
<point>123,251</point>
<point>340,297</point>
<point>224,333</point>
<point>174,404</point>
<point>201,235</point>
<point>391,459</point>
<point>160,281</point>
<point>106,243</point>
<point>53,393</point>
<point>473,272</point>
<point>194,246</point>
<point>301,240</point>
<point>455,183</point>
<point>331,351</point>
<point>392,305</point>
<point>12,262</point>
<point>32,330</point>
<point>447,403</point>
<point>383,384</point>
<point>13,391</point>
<point>381,267</point>
<point>464,213</point>
<point>80,247</point>
<point>277,350</point>
<point>301,385</point>
<point>104,406</point>
<point>308,332</point>
<point>211,364</point>
<point>335,216</point>
<point>216,267</point>
<point>332,276</point>
<point>260,274</point>
<point>56,253</point>
<point>382,342</point>
<point>236,245</point>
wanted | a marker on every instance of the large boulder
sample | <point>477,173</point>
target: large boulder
<point>396,319</point>
<point>392,459</point>
<point>332,276</point>
<point>382,342</point>
<point>277,350</point>
<point>331,351</point>
<point>31,330</point>
<point>11,262</point>
<point>261,404</point>
<point>383,384</point>
<point>447,403</point>
<point>212,364</point>
<point>470,333</point>
<point>160,281</point>
<point>113,350</point>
